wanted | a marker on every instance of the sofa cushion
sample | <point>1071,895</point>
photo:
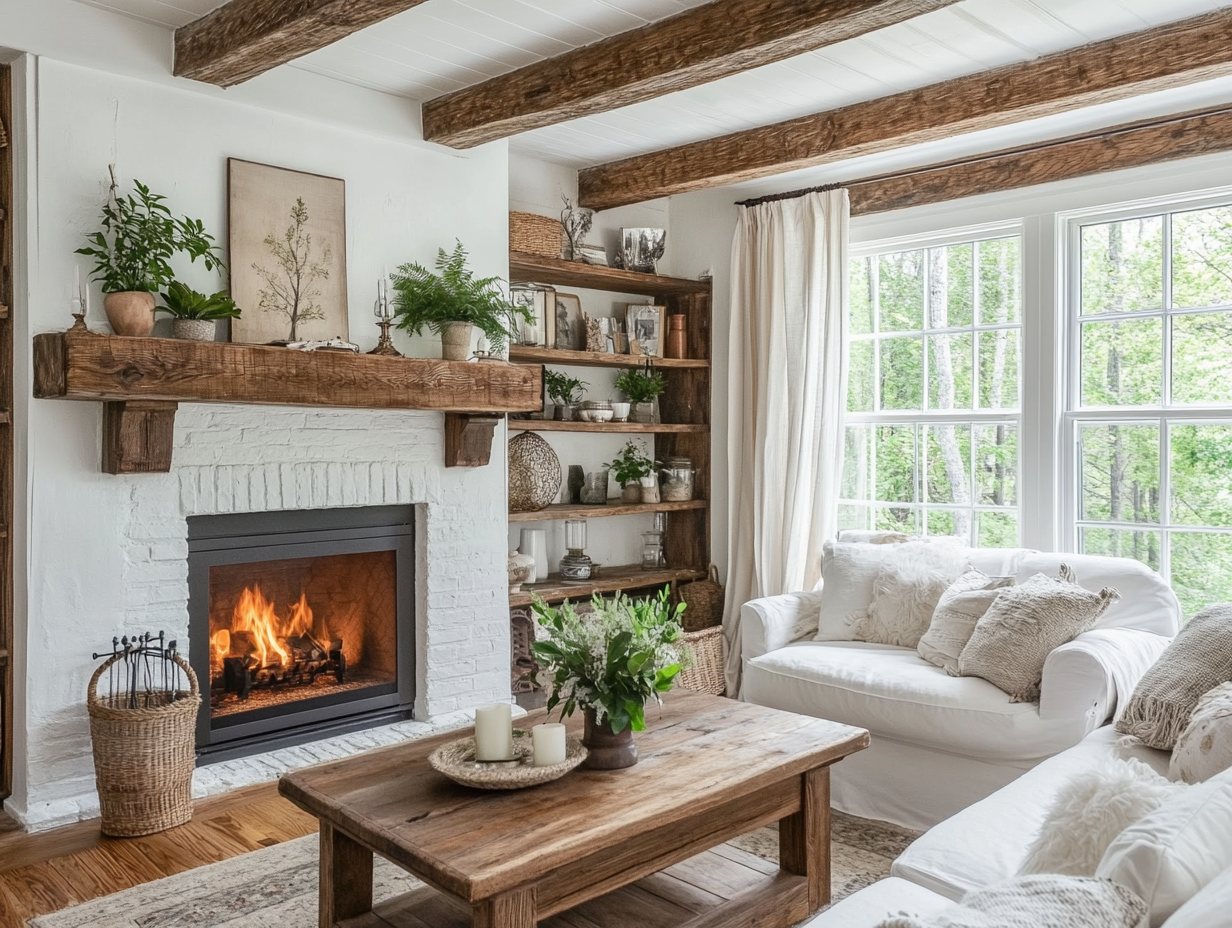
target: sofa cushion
<point>873,904</point>
<point>959,608</point>
<point>894,693</point>
<point>988,841</point>
<point>1168,855</point>
<point>906,592</point>
<point>1208,908</point>
<point>1205,746</point>
<point>1147,602</point>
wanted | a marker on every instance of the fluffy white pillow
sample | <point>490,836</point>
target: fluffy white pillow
<point>959,608</point>
<point>1090,810</point>
<point>1210,908</point>
<point>1205,746</point>
<point>906,591</point>
<point>1170,854</point>
<point>849,571</point>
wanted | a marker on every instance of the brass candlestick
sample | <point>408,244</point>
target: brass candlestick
<point>386,345</point>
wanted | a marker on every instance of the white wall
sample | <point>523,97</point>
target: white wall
<point>91,572</point>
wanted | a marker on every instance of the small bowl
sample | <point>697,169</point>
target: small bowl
<point>599,415</point>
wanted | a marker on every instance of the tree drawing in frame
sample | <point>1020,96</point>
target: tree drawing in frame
<point>287,249</point>
<point>291,289</point>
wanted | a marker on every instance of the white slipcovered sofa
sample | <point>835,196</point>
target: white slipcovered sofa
<point>988,842</point>
<point>941,743</point>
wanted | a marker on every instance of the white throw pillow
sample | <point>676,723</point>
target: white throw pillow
<point>1090,810</point>
<point>906,591</point>
<point>1170,854</point>
<point>1205,746</point>
<point>848,572</point>
<point>1210,908</point>
<point>959,608</point>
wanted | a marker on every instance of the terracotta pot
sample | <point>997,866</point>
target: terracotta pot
<point>130,312</point>
<point>607,751</point>
<point>456,341</point>
<point>194,330</point>
<point>632,493</point>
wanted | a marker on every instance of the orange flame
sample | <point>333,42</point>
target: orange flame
<point>264,631</point>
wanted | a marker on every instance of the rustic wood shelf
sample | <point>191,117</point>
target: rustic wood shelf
<point>530,354</point>
<point>560,511</point>
<point>538,269</point>
<point>625,578</point>
<point>141,380</point>
<point>616,428</point>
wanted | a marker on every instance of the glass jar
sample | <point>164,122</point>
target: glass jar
<point>652,550</point>
<point>594,490</point>
<point>677,482</point>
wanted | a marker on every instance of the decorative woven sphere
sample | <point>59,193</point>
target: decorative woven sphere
<point>534,473</point>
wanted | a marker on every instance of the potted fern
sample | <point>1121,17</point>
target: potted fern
<point>132,255</point>
<point>565,392</point>
<point>194,315</point>
<point>632,468</point>
<point>452,302</point>
<point>642,387</point>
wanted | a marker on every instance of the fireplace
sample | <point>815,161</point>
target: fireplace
<point>301,624</point>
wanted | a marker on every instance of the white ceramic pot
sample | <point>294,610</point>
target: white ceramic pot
<point>194,330</point>
<point>456,341</point>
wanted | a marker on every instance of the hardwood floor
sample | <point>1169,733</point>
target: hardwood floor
<point>46,872</point>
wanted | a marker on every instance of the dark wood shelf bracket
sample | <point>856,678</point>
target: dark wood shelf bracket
<point>138,437</point>
<point>468,438</point>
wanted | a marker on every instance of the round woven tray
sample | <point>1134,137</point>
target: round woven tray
<point>457,761</point>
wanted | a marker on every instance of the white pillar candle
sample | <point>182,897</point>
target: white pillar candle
<point>549,740</point>
<point>494,732</point>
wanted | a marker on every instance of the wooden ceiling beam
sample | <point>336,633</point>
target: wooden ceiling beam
<point>1156,59</point>
<point>244,38</point>
<point>1187,135</point>
<point>699,45</point>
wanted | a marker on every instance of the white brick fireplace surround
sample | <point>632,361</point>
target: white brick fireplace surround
<point>124,546</point>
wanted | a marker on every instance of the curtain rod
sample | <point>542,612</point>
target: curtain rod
<point>992,156</point>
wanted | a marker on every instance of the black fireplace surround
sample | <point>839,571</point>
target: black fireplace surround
<point>292,544</point>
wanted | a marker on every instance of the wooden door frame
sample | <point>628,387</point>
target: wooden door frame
<point>6,435</point>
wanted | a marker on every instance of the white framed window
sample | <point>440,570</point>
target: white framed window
<point>934,399</point>
<point>1148,420</point>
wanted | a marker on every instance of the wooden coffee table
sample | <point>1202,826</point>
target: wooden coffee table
<point>633,848</point>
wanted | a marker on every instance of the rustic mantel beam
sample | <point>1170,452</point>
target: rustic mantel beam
<point>244,38</point>
<point>699,45</point>
<point>1181,53</point>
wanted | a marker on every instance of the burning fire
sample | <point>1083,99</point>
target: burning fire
<point>264,630</point>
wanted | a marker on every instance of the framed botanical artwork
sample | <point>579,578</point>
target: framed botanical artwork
<point>647,329</point>
<point>287,250</point>
<point>570,323</point>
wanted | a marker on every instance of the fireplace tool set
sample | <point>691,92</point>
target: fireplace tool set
<point>143,671</point>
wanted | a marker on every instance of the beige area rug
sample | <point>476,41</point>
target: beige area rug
<point>277,886</point>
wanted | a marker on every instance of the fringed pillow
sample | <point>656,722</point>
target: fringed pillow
<point>1198,660</point>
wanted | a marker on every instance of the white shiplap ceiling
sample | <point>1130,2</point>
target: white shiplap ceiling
<point>443,45</point>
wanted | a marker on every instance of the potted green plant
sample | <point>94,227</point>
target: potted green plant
<point>133,255</point>
<point>642,387</point>
<point>631,468</point>
<point>565,392</point>
<point>609,663</point>
<point>452,302</point>
<point>194,315</point>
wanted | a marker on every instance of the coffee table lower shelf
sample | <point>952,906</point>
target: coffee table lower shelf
<point>721,888</point>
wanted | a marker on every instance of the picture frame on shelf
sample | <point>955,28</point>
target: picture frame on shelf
<point>647,326</point>
<point>541,301</point>
<point>570,322</point>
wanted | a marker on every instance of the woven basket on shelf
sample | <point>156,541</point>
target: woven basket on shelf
<point>706,674</point>
<point>704,599</point>
<point>535,235</point>
<point>144,757</point>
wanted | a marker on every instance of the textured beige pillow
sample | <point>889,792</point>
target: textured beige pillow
<point>906,589</point>
<point>1023,625</point>
<point>958,609</point>
<point>1205,746</point>
<point>1199,659</point>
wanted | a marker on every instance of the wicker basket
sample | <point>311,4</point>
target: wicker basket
<point>143,758</point>
<point>704,599</point>
<point>706,674</point>
<point>535,235</point>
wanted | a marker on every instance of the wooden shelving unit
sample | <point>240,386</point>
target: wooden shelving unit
<point>6,435</point>
<point>684,407</point>
<point>561,511</point>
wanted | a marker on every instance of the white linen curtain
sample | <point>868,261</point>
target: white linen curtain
<point>787,391</point>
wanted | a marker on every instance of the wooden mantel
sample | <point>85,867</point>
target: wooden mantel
<point>141,381</point>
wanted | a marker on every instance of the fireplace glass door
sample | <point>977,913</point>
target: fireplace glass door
<point>303,620</point>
